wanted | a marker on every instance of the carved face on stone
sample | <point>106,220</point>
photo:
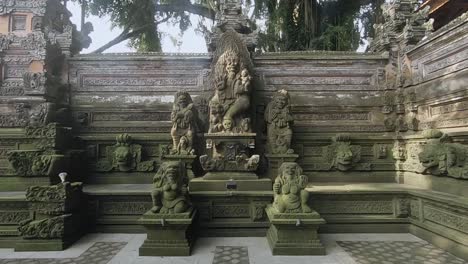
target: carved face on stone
<point>245,125</point>
<point>171,172</point>
<point>228,124</point>
<point>182,100</point>
<point>232,64</point>
<point>123,155</point>
<point>281,101</point>
<point>430,157</point>
<point>344,154</point>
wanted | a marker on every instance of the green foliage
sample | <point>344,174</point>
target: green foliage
<point>289,24</point>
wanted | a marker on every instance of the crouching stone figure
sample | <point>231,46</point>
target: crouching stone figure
<point>289,190</point>
<point>169,192</point>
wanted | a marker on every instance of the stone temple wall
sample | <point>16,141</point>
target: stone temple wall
<point>332,93</point>
<point>439,80</point>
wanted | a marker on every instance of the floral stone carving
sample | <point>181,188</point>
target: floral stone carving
<point>289,189</point>
<point>279,124</point>
<point>48,228</point>
<point>441,157</point>
<point>231,101</point>
<point>170,191</point>
<point>183,119</point>
<point>34,82</point>
<point>33,162</point>
<point>124,156</point>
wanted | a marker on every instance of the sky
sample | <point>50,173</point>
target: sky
<point>103,33</point>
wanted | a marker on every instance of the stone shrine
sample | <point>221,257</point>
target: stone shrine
<point>282,145</point>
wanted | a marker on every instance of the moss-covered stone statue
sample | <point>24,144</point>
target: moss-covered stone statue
<point>279,124</point>
<point>293,224</point>
<point>170,189</point>
<point>289,190</point>
<point>441,157</point>
<point>168,222</point>
<point>183,119</point>
<point>231,101</point>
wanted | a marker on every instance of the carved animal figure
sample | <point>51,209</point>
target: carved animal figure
<point>441,157</point>
<point>170,189</point>
<point>289,190</point>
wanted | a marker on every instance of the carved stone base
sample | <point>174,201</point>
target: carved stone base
<point>275,161</point>
<point>226,185</point>
<point>46,244</point>
<point>186,159</point>
<point>294,234</point>
<point>228,175</point>
<point>168,235</point>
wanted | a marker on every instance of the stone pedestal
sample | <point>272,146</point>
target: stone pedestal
<point>294,234</point>
<point>275,161</point>
<point>186,159</point>
<point>230,156</point>
<point>167,234</point>
<point>58,219</point>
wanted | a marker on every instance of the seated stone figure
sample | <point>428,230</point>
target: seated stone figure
<point>289,190</point>
<point>170,189</point>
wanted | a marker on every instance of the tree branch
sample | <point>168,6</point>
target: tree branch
<point>127,34</point>
<point>187,6</point>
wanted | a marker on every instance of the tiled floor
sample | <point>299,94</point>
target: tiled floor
<point>341,249</point>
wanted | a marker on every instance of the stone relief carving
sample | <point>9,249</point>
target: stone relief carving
<point>279,124</point>
<point>290,195</point>
<point>170,193</point>
<point>342,154</point>
<point>441,157</point>
<point>48,228</point>
<point>35,82</point>
<point>32,162</point>
<point>231,101</point>
<point>184,124</point>
<point>124,156</point>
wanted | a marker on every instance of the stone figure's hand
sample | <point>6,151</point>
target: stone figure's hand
<point>276,187</point>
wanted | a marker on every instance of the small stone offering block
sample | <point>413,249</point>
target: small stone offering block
<point>294,233</point>
<point>167,234</point>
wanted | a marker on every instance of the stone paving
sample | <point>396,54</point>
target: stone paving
<point>396,252</point>
<point>341,249</point>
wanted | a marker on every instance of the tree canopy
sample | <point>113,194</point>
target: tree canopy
<point>288,24</point>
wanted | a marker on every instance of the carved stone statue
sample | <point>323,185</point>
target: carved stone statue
<point>231,101</point>
<point>441,157</point>
<point>170,189</point>
<point>279,121</point>
<point>289,190</point>
<point>183,119</point>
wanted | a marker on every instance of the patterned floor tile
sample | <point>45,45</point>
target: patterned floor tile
<point>99,253</point>
<point>231,255</point>
<point>396,252</point>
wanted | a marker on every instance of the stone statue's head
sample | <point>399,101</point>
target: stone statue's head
<point>184,142</point>
<point>245,125</point>
<point>430,156</point>
<point>281,99</point>
<point>122,154</point>
<point>171,171</point>
<point>228,123</point>
<point>231,61</point>
<point>182,99</point>
<point>289,170</point>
